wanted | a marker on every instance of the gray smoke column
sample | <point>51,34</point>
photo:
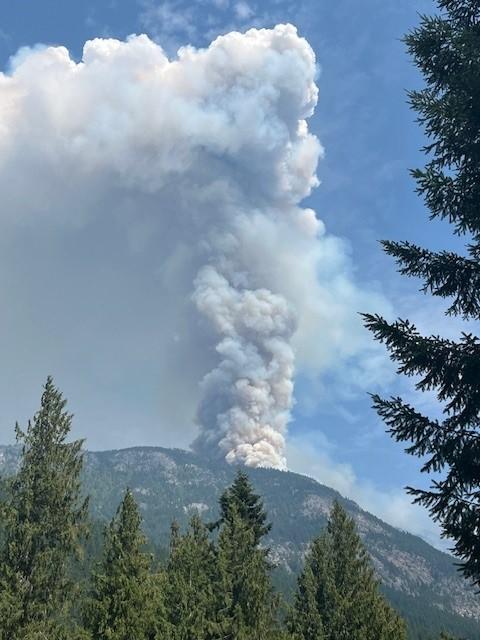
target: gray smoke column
<point>200,163</point>
<point>246,399</point>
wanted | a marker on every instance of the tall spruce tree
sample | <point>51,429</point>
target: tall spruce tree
<point>125,602</point>
<point>241,500</point>
<point>191,584</point>
<point>446,48</point>
<point>45,518</point>
<point>337,596</point>
<point>305,621</point>
<point>246,603</point>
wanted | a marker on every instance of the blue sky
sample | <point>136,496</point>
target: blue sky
<point>370,139</point>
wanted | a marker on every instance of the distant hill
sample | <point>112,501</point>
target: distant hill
<point>420,581</point>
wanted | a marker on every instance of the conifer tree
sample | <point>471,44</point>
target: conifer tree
<point>338,596</point>
<point>247,605</point>
<point>446,49</point>
<point>125,602</point>
<point>241,499</point>
<point>45,518</point>
<point>190,583</point>
<point>305,621</point>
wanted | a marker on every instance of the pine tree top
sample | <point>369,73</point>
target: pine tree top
<point>338,595</point>
<point>124,535</point>
<point>240,496</point>
<point>45,518</point>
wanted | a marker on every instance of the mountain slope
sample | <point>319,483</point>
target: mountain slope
<point>172,484</point>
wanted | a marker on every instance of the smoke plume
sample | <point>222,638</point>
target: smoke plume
<point>202,162</point>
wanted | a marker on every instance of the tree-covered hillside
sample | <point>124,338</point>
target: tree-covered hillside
<point>170,484</point>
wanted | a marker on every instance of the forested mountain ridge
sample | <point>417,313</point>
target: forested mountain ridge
<point>173,484</point>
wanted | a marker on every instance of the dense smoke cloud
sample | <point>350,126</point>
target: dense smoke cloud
<point>204,161</point>
<point>246,399</point>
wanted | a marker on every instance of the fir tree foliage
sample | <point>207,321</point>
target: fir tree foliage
<point>190,583</point>
<point>338,596</point>
<point>45,518</point>
<point>305,621</point>
<point>125,602</point>
<point>247,603</point>
<point>240,501</point>
<point>446,49</point>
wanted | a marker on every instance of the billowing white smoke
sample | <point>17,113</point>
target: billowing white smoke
<point>247,398</point>
<point>204,159</point>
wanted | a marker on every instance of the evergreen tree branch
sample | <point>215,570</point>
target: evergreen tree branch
<point>446,275</point>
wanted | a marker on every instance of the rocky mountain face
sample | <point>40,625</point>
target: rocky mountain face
<point>420,581</point>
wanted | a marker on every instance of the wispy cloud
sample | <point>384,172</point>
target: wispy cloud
<point>170,22</point>
<point>175,23</point>
<point>243,10</point>
<point>315,456</point>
